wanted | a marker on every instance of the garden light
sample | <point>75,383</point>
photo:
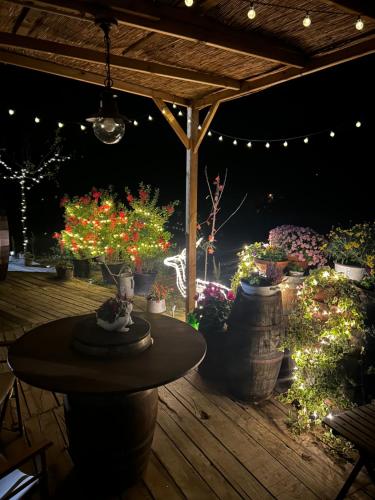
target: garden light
<point>251,13</point>
<point>306,20</point>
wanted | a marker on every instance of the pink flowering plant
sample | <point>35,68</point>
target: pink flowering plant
<point>214,306</point>
<point>300,243</point>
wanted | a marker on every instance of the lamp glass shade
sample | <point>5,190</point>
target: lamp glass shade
<point>108,123</point>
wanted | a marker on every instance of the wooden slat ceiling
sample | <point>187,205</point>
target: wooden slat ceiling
<point>192,56</point>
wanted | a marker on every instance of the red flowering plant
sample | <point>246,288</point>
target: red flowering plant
<point>212,311</point>
<point>158,292</point>
<point>95,224</point>
<point>150,240</point>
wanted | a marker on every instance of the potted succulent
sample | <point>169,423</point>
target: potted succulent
<point>156,298</point>
<point>263,284</point>
<point>351,249</point>
<point>267,254</point>
<point>301,244</point>
<point>296,269</point>
<point>210,316</point>
<point>64,269</point>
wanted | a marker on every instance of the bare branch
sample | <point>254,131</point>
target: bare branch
<point>233,213</point>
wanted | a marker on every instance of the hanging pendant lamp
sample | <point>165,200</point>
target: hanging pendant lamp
<point>108,123</point>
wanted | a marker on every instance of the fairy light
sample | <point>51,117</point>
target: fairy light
<point>60,124</point>
<point>189,3</point>
<point>83,127</point>
<point>180,113</point>
<point>332,134</point>
<point>235,142</point>
<point>209,133</point>
<point>174,105</point>
<point>306,20</point>
<point>37,119</point>
<point>221,138</point>
<point>285,144</point>
<point>249,145</point>
<point>359,24</point>
<point>268,145</point>
<point>11,112</point>
<point>150,118</point>
<point>251,14</point>
<point>358,124</point>
<point>306,140</point>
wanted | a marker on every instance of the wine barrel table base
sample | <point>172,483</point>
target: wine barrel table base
<point>110,436</point>
<point>111,402</point>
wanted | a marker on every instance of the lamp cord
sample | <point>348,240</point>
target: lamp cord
<point>108,82</point>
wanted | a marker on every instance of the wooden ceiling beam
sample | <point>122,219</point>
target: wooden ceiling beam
<point>356,7</point>
<point>84,76</point>
<point>20,19</point>
<point>317,63</point>
<point>179,23</point>
<point>89,55</point>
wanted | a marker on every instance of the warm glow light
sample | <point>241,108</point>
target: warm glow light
<point>251,13</point>
<point>11,112</point>
<point>249,145</point>
<point>332,134</point>
<point>209,133</point>
<point>150,118</point>
<point>189,3</point>
<point>359,24</point>
<point>306,20</point>
<point>37,120</point>
<point>306,140</point>
<point>135,123</point>
<point>235,142</point>
<point>83,127</point>
<point>285,144</point>
<point>60,124</point>
<point>358,124</point>
<point>268,145</point>
<point>180,113</point>
<point>220,138</point>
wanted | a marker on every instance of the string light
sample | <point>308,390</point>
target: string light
<point>174,105</point>
<point>285,144</point>
<point>11,112</point>
<point>251,13</point>
<point>249,145</point>
<point>221,138</point>
<point>135,123</point>
<point>37,119</point>
<point>189,3</point>
<point>358,124</point>
<point>83,127</point>
<point>268,145</point>
<point>180,113</point>
<point>307,21</point>
<point>332,134</point>
<point>199,127</point>
<point>359,24</point>
<point>306,140</point>
<point>60,124</point>
<point>235,142</point>
<point>209,133</point>
<point>150,118</point>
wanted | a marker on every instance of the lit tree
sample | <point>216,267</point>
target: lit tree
<point>28,173</point>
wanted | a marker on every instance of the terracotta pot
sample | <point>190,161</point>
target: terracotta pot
<point>303,263</point>
<point>262,264</point>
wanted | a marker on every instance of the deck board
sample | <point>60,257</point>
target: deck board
<point>206,445</point>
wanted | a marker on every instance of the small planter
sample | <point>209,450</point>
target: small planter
<point>81,268</point>
<point>259,290</point>
<point>296,274</point>
<point>156,306</point>
<point>64,273</point>
<point>263,264</point>
<point>143,282</point>
<point>355,273</point>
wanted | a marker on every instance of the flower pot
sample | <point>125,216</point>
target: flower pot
<point>81,268</point>
<point>296,274</point>
<point>156,306</point>
<point>114,268</point>
<point>28,261</point>
<point>143,282</point>
<point>64,273</point>
<point>259,290</point>
<point>303,263</point>
<point>263,264</point>
<point>355,273</point>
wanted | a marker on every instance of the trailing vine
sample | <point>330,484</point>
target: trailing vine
<point>325,334</point>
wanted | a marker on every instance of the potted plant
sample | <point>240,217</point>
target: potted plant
<point>296,269</point>
<point>28,259</point>
<point>64,269</point>
<point>267,254</point>
<point>259,284</point>
<point>156,298</point>
<point>351,249</point>
<point>301,244</point>
<point>114,315</point>
<point>210,316</point>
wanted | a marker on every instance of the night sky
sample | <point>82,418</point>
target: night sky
<point>328,181</point>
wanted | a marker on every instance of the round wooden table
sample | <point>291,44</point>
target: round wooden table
<point>110,404</point>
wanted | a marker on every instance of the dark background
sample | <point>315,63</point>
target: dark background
<point>327,182</point>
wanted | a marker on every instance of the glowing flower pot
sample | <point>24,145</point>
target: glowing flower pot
<point>355,273</point>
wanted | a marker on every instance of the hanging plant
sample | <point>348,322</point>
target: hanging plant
<point>326,337</point>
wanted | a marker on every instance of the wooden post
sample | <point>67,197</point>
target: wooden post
<point>191,207</point>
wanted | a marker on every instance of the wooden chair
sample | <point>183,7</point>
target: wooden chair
<point>9,388</point>
<point>358,426</point>
<point>14,483</point>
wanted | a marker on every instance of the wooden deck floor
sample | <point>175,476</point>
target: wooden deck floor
<point>206,446</point>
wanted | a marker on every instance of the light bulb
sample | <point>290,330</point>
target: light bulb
<point>135,123</point>
<point>332,134</point>
<point>199,127</point>
<point>358,124</point>
<point>285,144</point>
<point>180,113</point>
<point>359,24</point>
<point>150,118</point>
<point>11,112</point>
<point>209,133</point>
<point>268,145</point>
<point>306,20</point>
<point>251,13</point>
<point>83,127</point>
<point>189,3</point>
<point>249,144</point>
<point>174,105</point>
<point>306,140</point>
<point>235,142</point>
<point>221,138</point>
<point>60,124</point>
<point>109,130</point>
<point>37,120</point>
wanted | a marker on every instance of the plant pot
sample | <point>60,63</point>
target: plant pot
<point>355,273</point>
<point>265,291</point>
<point>303,263</point>
<point>263,264</point>
<point>143,282</point>
<point>28,261</point>
<point>64,273</point>
<point>156,306</point>
<point>114,268</point>
<point>296,274</point>
<point>81,268</point>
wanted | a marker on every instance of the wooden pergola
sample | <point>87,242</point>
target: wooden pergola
<point>196,57</point>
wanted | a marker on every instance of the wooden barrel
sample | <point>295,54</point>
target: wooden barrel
<point>110,436</point>
<point>255,327</point>
<point>4,246</point>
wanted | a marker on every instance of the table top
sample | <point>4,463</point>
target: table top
<point>45,358</point>
<point>357,425</point>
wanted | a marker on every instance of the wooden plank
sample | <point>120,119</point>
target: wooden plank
<point>191,214</point>
<point>159,482</point>
<point>171,119</point>
<point>182,24</point>
<point>226,462</point>
<point>127,63</point>
<point>84,76</point>
<point>188,480</point>
<point>206,123</point>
